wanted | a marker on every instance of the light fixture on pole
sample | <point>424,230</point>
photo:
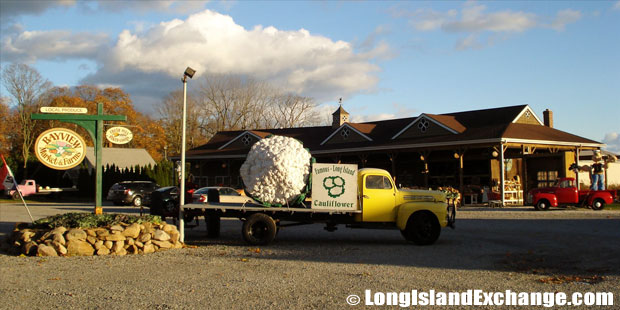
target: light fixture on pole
<point>189,72</point>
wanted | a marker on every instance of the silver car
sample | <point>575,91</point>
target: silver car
<point>227,195</point>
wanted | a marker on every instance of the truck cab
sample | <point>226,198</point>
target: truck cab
<point>382,202</point>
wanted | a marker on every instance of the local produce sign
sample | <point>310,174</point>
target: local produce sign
<point>60,148</point>
<point>119,135</point>
<point>334,186</point>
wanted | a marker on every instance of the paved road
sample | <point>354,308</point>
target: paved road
<point>307,267</point>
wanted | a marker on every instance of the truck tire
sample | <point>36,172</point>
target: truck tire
<point>259,229</point>
<point>137,201</point>
<point>213,224</point>
<point>542,205</point>
<point>598,204</point>
<point>422,228</point>
<point>15,196</point>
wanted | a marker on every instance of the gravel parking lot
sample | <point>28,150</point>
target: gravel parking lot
<point>308,268</point>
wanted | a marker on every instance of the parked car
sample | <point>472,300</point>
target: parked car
<point>227,194</point>
<point>136,193</point>
<point>165,203</point>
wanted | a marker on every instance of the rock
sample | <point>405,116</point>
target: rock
<point>130,241</point>
<point>45,250</point>
<point>116,228</point>
<point>178,245</point>
<point>149,248</point>
<point>103,251</point>
<point>174,236</point>
<point>92,240</point>
<point>58,237</point>
<point>161,235</point>
<point>139,244</point>
<point>29,248</point>
<point>169,228</point>
<point>99,244</point>
<point>121,252</point>
<point>115,237</point>
<point>148,228</point>
<point>132,249</point>
<point>145,237</point>
<point>108,244</point>
<point>45,236</point>
<point>60,249</point>
<point>118,246</point>
<point>58,230</point>
<point>91,232</point>
<point>102,233</point>
<point>26,235</point>
<point>79,248</point>
<point>75,234</point>
<point>162,244</point>
<point>132,231</point>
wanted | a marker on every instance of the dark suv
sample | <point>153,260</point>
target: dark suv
<point>136,193</point>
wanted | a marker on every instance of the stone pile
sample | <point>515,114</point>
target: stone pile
<point>119,239</point>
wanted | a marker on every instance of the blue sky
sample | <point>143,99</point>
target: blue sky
<point>386,59</point>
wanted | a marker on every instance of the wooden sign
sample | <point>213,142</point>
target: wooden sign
<point>119,135</point>
<point>67,110</point>
<point>334,186</point>
<point>60,148</point>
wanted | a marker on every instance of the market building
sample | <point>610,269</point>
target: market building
<point>496,153</point>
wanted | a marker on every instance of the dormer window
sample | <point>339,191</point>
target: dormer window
<point>246,140</point>
<point>423,125</point>
<point>345,132</point>
<point>528,114</point>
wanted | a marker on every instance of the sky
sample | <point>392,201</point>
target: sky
<point>385,59</point>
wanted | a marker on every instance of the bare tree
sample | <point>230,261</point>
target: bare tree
<point>290,110</point>
<point>170,111</point>
<point>26,87</point>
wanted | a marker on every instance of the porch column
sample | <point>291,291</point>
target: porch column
<point>501,173</point>
<point>577,163</point>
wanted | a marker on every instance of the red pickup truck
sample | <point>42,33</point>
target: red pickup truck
<point>564,192</point>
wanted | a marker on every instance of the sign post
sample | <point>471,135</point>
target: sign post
<point>94,126</point>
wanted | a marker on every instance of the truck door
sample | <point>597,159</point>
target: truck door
<point>378,199</point>
<point>566,192</point>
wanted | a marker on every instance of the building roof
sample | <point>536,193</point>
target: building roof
<point>461,129</point>
<point>121,157</point>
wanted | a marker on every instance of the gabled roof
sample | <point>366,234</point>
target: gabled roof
<point>357,128</point>
<point>120,157</point>
<point>437,120</point>
<point>256,134</point>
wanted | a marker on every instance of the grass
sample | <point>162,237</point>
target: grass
<point>613,206</point>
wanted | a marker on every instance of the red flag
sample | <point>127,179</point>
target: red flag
<point>6,176</point>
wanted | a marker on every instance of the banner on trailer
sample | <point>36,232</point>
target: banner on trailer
<point>334,186</point>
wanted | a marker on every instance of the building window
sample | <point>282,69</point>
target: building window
<point>345,132</point>
<point>546,178</point>
<point>423,125</point>
<point>246,140</point>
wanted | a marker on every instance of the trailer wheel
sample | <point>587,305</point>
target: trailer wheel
<point>422,228</point>
<point>213,224</point>
<point>259,229</point>
<point>542,205</point>
<point>598,204</point>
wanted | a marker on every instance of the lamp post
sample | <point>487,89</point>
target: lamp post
<point>189,72</point>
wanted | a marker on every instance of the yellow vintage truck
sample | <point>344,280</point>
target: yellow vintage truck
<point>341,195</point>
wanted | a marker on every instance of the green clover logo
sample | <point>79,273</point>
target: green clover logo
<point>334,186</point>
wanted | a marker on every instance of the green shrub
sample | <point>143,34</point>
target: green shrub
<point>89,220</point>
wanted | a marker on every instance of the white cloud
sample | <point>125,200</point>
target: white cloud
<point>482,27</point>
<point>372,117</point>
<point>10,10</point>
<point>29,46</point>
<point>612,139</point>
<point>213,43</point>
<point>564,18</point>
<point>145,6</point>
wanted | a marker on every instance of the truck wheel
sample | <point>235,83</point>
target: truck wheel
<point>422,228</point>
<point>15,196</point>
<point>137,201</point>
<point>259,229</point>
<point>542,205</point>
<point>213,224</point>
<point>598,204</point>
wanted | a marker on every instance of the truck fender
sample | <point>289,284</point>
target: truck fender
<point>606,196</point>
<point>405,210</point>
<point>550,197</point>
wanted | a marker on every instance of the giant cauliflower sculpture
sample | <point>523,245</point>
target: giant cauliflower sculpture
<point>276,170</point>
